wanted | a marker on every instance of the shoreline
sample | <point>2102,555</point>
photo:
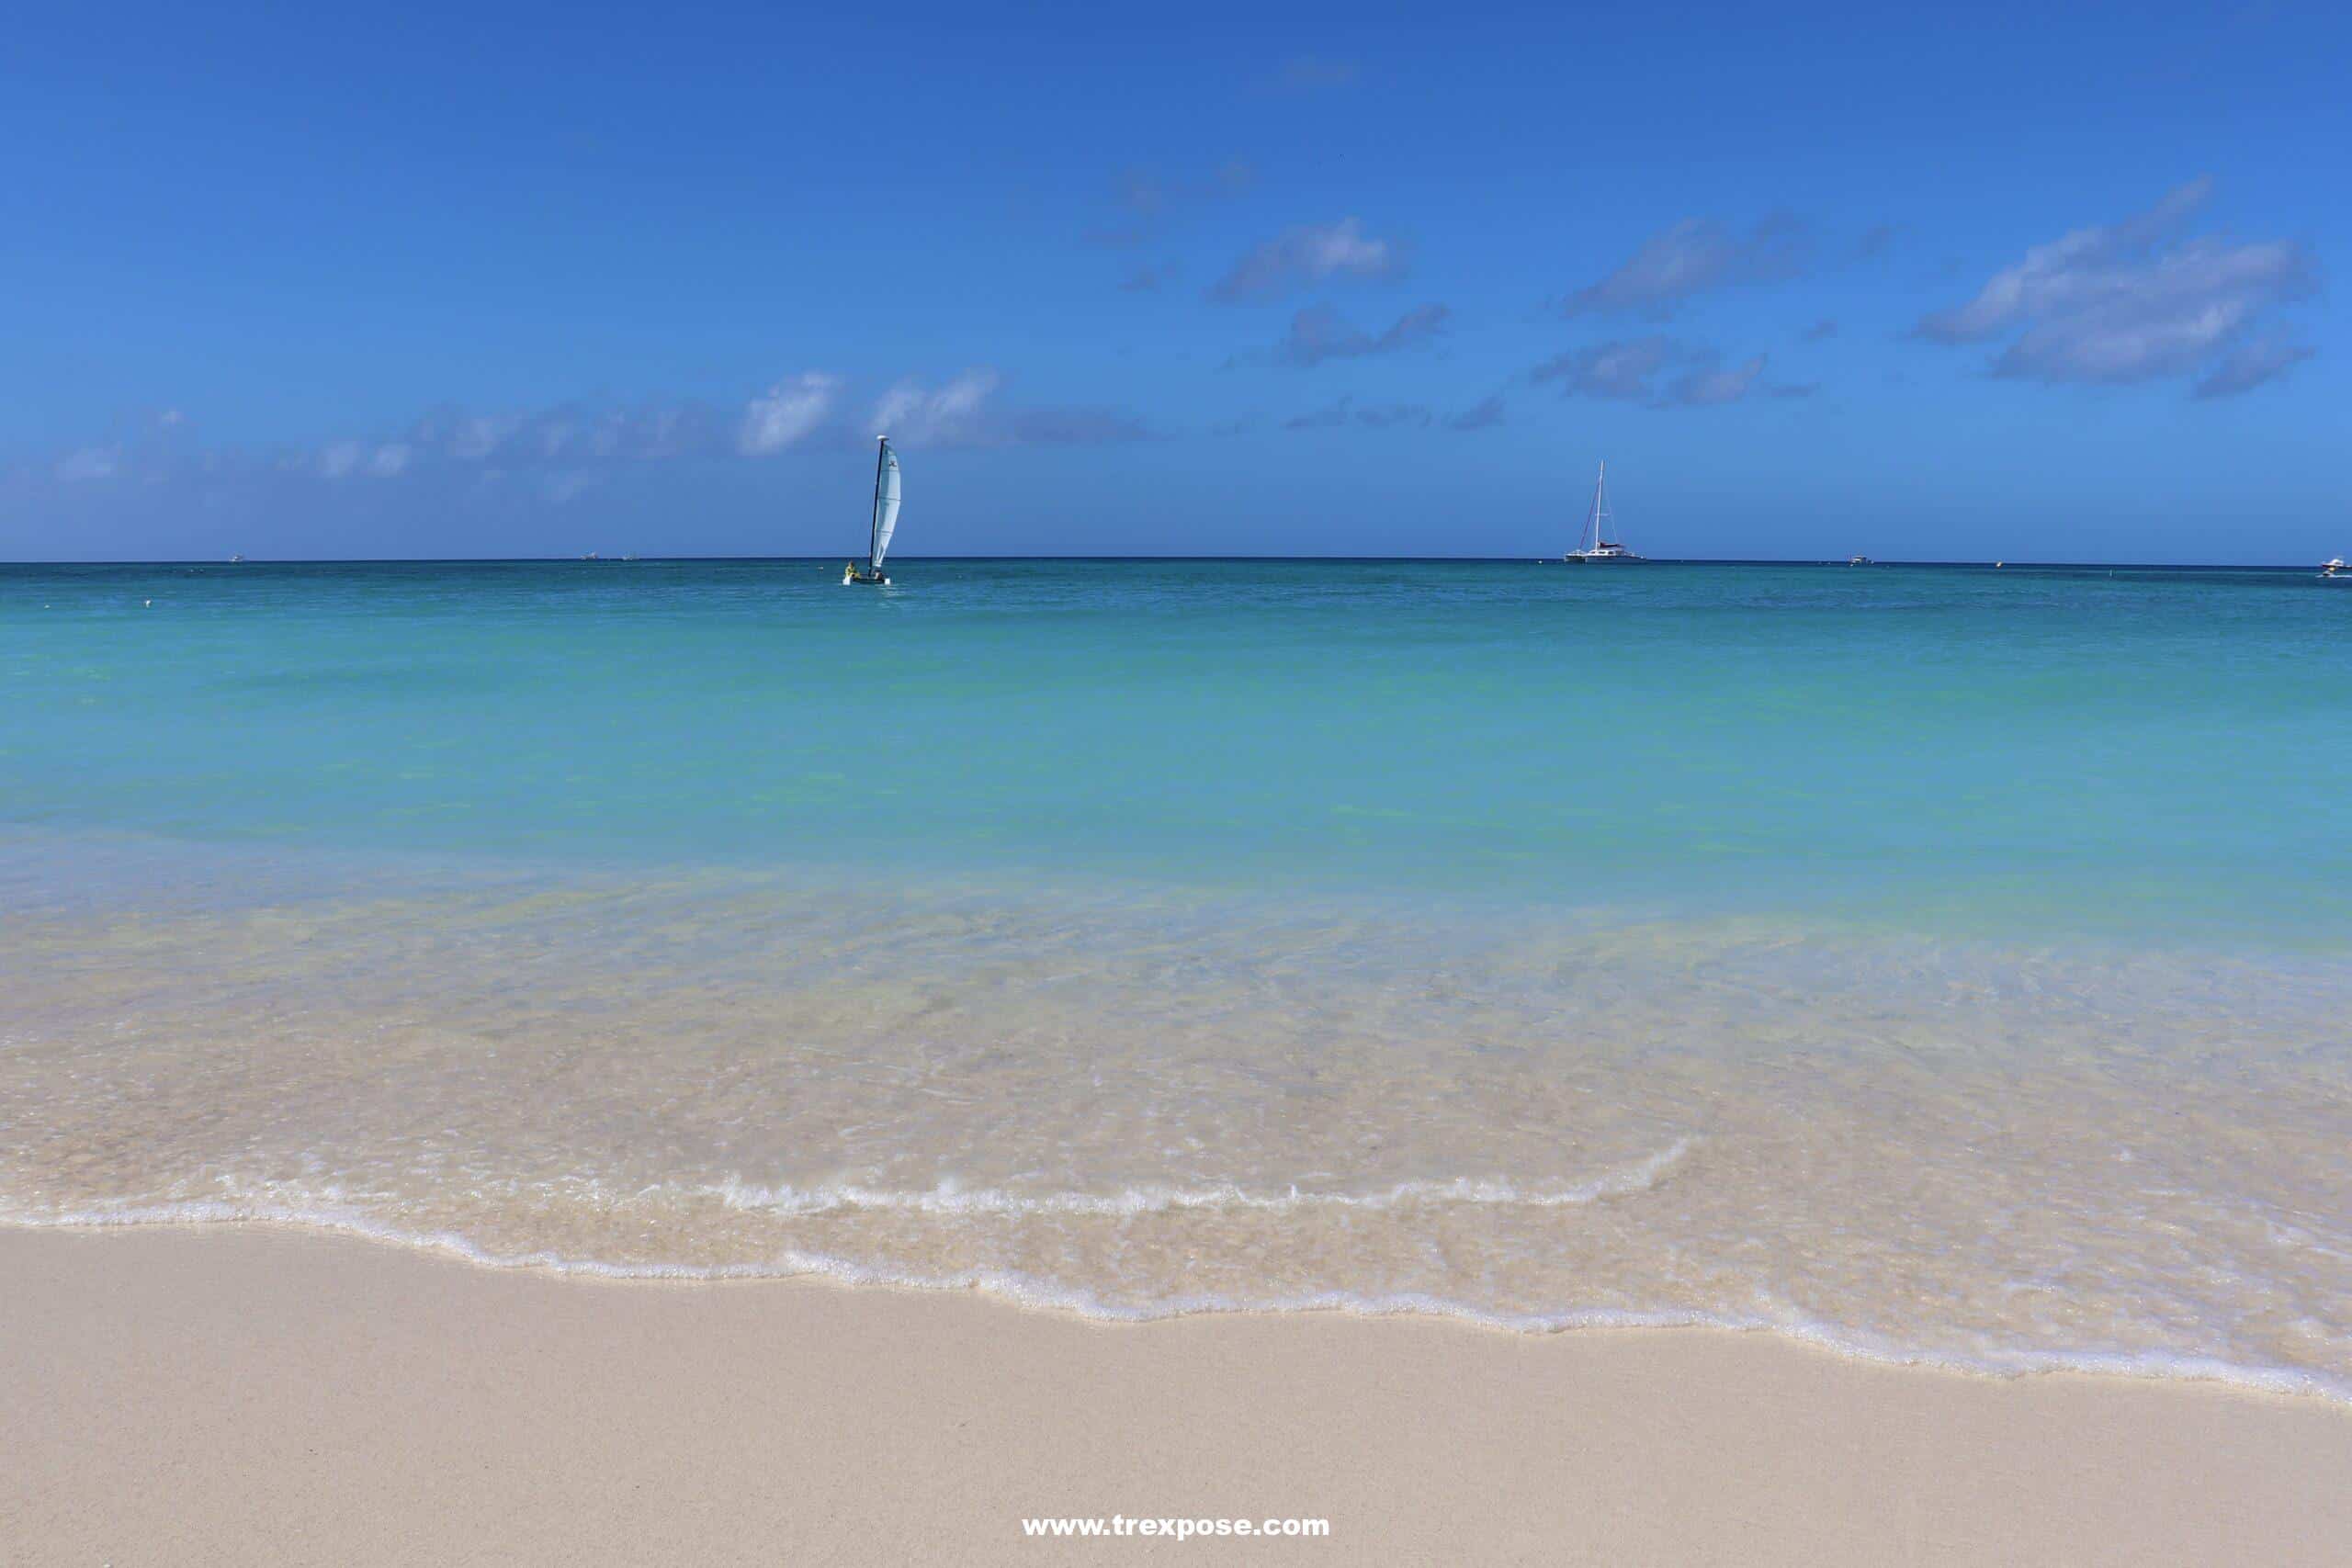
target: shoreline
<point>1018,1293</point>
<point>258,1392</point>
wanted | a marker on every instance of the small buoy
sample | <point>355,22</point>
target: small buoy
<point>149,603</point>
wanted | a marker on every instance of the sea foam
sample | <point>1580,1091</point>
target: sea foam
<point>946,1198</point>
<point>1029,1291</point>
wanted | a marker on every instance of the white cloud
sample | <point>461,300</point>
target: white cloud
<point>964,413</point>
<point>1318,332</point>
<point>341,459</point>
<point>1708,385</point>
<point>1694,255</point>
<point>785,414</point>
<point>2247,366</point>
<point>950,415</point>
<point>1378,416</point>
<point>1485,415</point>
<point>568,433</point>
<point>475,438</point>
<point>1631,370</point>
<point>2138,300</point>
<point>1619,369</point>
<point>1310,253</point>
<point>89,463</point>
<point>560,452</point>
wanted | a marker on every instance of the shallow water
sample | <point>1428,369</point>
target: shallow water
<point>1940,964</point>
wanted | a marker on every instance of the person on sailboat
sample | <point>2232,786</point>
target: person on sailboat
<point>885,519</point>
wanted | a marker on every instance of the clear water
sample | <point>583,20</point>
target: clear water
<point>1942,962</point>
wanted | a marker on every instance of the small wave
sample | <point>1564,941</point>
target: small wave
<point>1026,1290</point>
<point>947,1198</point>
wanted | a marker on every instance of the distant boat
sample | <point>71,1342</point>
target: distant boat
<point>2335,570</point>
<point>236,560</point>
<point>885,520</point>
<point>1596,526</point>
<point>1860,561</point>
<point>592,556</point>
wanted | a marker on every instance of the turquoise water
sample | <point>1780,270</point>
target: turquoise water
<point>2155,752</point>
<point>1938,964</point>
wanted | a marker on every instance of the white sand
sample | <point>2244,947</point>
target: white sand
<point>250,1396</point>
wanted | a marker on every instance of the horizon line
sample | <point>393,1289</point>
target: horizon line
<point>1986,565</point>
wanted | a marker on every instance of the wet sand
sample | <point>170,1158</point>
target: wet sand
<point>252,1396</point>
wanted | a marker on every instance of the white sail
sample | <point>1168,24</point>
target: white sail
<point>1594,544</point>
<point>886,506</point>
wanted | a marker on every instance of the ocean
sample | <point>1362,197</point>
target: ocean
<point>1940,964</point>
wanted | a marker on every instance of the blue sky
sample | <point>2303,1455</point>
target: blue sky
<point>1996,281</point>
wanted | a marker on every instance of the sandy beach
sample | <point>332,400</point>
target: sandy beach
<point>846,785</point>
<point>252,1395</point>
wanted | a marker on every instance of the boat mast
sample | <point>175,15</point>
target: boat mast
<point>1599,504</point>
<point>874,536</point>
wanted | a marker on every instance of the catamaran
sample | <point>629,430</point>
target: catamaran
<point>1597,525</point>
<point>885,519</point>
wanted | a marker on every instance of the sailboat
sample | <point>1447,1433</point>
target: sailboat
<point>1599,525</point>
<point>885,520</point>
